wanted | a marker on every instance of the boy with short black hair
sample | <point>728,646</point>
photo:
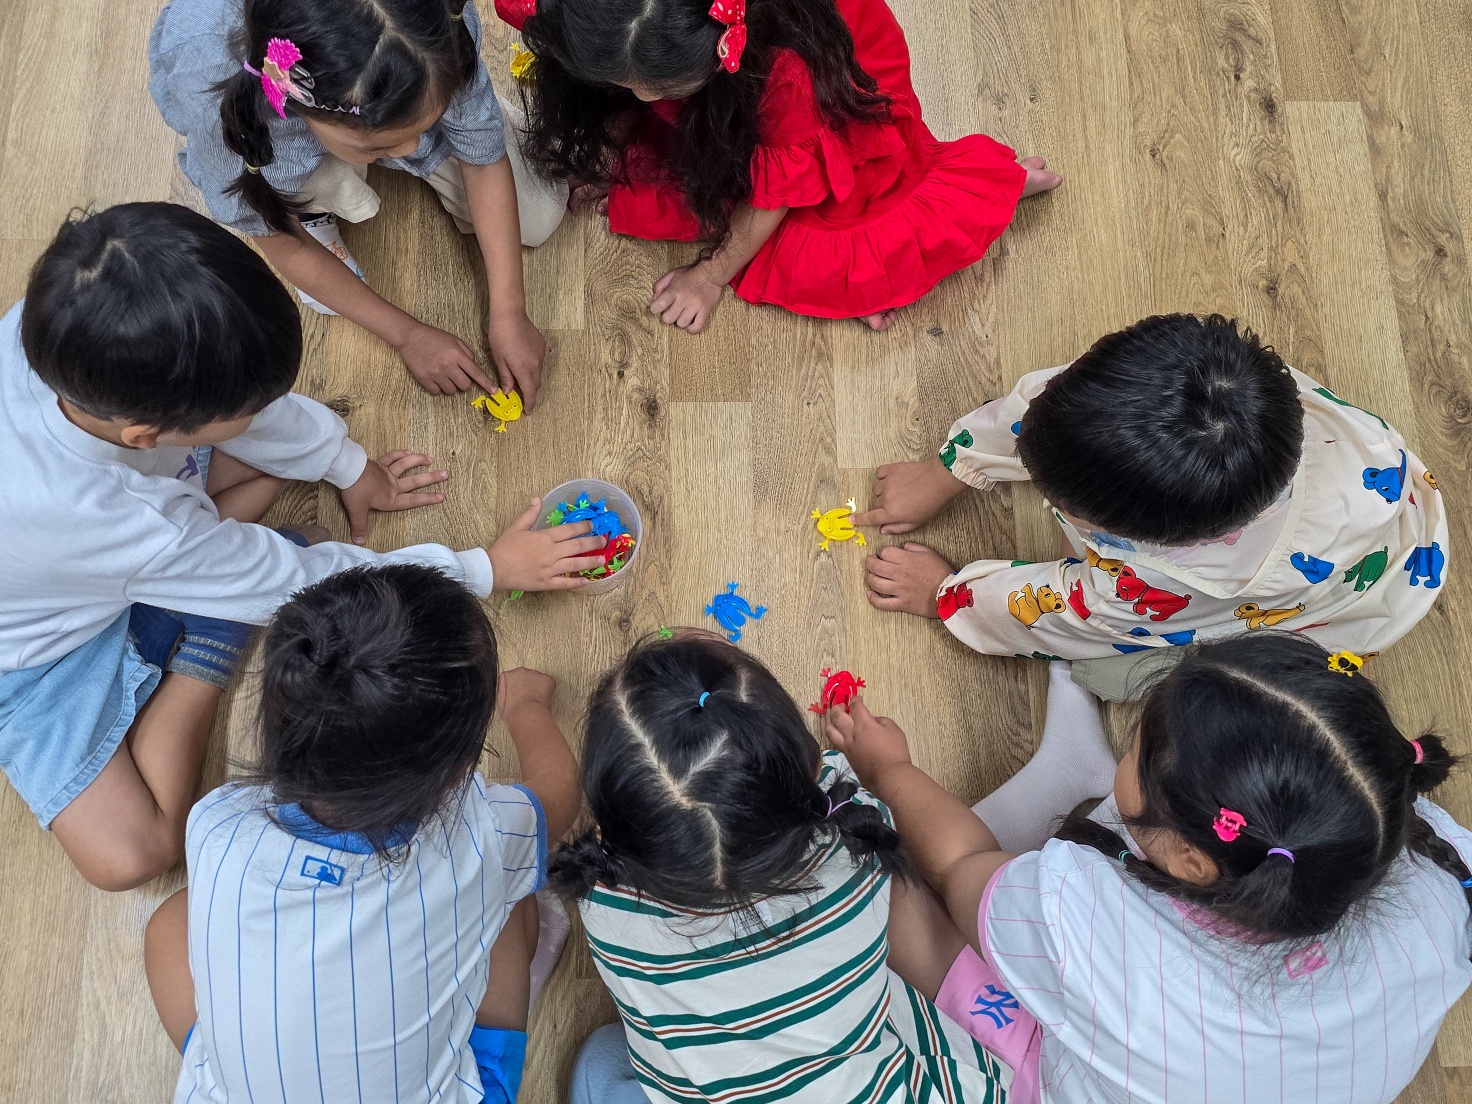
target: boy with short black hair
<point>1204,489</point>
<point>146,422</point>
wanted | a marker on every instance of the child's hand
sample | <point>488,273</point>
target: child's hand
<point>871,744</point>
<point>543,559</point>
<point>441,362</point>
<point>905,580</point>
<point>519,349</point>
<point>908,495</point>
<point>523,688</point>
<point>384,486</point>
<point>686,297</point>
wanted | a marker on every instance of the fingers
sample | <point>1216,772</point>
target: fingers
<point>877,516</point>
<point>883,602</point>
<point>581,547</point>
<point>529,516</point>
<point>702,319</point>
<point>453,378</point>
<point>565,582</point>
<point>422,479</point>
<point>662,302</point>
<point>895,528</point>
<point>671,314</point>
<point>399,462</point>
<point>409,501</point>
<point>573,531</point>
<point>357,522</point>
<point>473,370</point>
<point>663,283</point>
<point>574,564</point>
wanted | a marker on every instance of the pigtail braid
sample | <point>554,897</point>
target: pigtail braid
<point>580,864</point>
<point>863,831</point>
<point>1424,841</point>
<point>247,132</point>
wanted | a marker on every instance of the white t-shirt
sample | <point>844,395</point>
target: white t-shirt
<point>322,974</point>
<point>87,528</point>
<point>1140,1003</point>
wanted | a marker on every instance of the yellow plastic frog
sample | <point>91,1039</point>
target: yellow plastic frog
<point>522,61</point>
<point>504,406</point>
<point>836,526</point>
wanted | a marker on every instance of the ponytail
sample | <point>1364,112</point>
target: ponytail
<point>863,831</point>
<point>580,864</point>
<point>246,130</point>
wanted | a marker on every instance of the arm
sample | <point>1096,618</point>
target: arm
<point>441,362</point>
<point>686,296</point>
<point>548,768</point>
<point>956,852</point>
<point>516,344</point>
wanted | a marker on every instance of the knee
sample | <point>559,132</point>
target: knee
<point>538,224</point>
<point>132,863</point>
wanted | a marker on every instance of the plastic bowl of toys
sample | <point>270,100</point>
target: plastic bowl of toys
<point>614,516</point>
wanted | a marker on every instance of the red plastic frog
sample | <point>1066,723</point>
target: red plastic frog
<point>839,688</point>
<point>614,554</point>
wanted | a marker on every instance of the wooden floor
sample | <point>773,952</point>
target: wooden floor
<point>1305,164</point>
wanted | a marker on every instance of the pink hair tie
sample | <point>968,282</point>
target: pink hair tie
<point>1420,753</point>
<point>1281,851</point>
<point>1228,825</point>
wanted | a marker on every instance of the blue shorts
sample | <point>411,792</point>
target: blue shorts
<point>61,722</point>
<point>500,1055</point>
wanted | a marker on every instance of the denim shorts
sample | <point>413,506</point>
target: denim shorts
<point>62,721</point>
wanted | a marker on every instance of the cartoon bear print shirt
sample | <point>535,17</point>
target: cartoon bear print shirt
<point>1353,553</point>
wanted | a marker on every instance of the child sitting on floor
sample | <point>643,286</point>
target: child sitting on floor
<point>784,135</point>
<point>145,422</point>
<point>1204,489</point>
<point>736,887</point>
<point>284,104</point>
<point>378,888</point>
<point>1275,912</point>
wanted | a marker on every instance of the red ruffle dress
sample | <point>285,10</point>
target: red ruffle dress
<point>879,213</point>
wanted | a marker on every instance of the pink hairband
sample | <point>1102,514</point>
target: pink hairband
<point>282,78</point>
<point>1420,753</point>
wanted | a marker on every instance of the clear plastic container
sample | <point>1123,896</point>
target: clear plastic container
<point>618,501</point>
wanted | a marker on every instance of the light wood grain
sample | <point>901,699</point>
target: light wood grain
<point>1306,164</point>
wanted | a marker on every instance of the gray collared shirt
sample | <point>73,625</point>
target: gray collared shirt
<point>189,52</point>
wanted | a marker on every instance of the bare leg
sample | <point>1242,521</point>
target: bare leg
<point>127,827</point>
<point>923,940</point>
<point>166,962</point>
<point>508,990</point>
<point>240,491</point>
<point>881,321</point>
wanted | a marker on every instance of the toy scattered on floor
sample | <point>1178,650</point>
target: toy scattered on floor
<point>514,596</point>
<point>836,525</point>
<point>504,406</point>
<point>666,633</point>
<point>606,524</point>
<point>839,688</point>
<point>522,61</point>
<point>732,611</point>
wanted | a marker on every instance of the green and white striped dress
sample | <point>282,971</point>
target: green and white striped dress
<point>789,1001</point>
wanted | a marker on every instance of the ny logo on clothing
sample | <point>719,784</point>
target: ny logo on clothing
<point>997,1007</point>
<point>320,870</point>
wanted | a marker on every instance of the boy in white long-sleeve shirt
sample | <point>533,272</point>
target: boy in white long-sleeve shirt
<point>146,424</point>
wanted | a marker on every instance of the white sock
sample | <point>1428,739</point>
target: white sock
<point>553,928</point>
<point>1073,764</point>
<point>324,229</point>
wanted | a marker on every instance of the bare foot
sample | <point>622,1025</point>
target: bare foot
<point>588,195</point>
<point>1039,178</point>
<point>906,579</point>
<point>881,321</point>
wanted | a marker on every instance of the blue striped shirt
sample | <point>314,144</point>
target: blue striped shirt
<point>322,973</point>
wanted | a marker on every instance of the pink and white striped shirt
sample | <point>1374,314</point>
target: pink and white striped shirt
<point>1137,1002</point>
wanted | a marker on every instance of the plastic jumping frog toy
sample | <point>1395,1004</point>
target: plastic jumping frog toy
<point>606,523</point>
<point>504,406</point>
<point>839,688</point>
<point>836,526</point>
<point>731,611</point>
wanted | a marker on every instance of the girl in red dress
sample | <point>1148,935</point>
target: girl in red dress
<point>782,134</point>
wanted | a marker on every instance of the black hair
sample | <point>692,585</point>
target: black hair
<point>152,313</point>
<point>1309,757</point>
<point>579,116</point>
<point>371,64</point>
<point>1175,430</point>
<point>378,687</point>
<point>711,806</point>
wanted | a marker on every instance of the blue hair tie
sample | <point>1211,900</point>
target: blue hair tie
<point>701,703</point>
<point>1467,884</point>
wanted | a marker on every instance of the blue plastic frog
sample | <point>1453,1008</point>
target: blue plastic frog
<point>731,611</point>
<point>606,523</point>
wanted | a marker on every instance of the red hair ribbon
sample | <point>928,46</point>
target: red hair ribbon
<point>733,42</point>
<point>1228,825</point>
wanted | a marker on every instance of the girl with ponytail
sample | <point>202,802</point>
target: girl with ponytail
<point>735,885</point>
<point>284,104</point>
<point>1268,909</point>
<point>360,909</point>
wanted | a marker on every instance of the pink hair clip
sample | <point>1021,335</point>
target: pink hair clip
<point>733,41</point>
<point>1228,825</point>
<point>275,73</point>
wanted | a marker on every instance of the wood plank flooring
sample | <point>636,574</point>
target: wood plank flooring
<point>1303,164</point>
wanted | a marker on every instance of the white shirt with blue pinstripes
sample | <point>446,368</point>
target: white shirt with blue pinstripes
<point>322,973</point>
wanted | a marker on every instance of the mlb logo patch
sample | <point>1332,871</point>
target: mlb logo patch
<point>320,870</point>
